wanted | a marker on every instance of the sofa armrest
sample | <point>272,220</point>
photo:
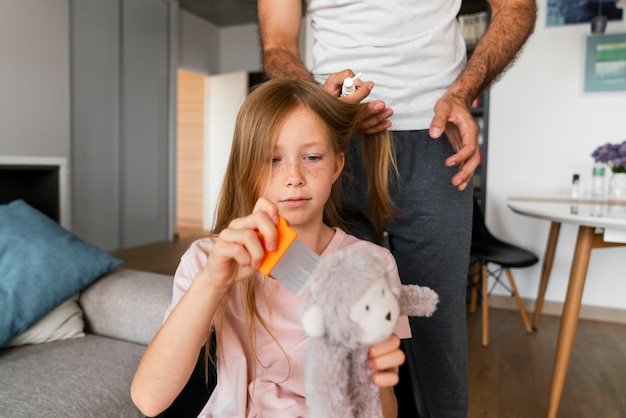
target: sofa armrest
<point>127,304</point>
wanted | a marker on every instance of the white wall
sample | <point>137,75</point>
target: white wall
<point>543,128</point>
<point>209,49</point>
<point>199,44</point>
<point>34,78</point>
<point>224,95</point>
<point>240,48</point>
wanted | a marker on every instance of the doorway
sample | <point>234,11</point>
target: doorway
<point>207,108</point>
<point>190,131</point>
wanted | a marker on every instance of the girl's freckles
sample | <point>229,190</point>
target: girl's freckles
<point>300,170</point>
<point>316,173</point>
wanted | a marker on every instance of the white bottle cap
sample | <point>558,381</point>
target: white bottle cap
<point>348,85</point>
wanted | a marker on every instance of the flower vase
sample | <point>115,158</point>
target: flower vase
<point>617,187</point>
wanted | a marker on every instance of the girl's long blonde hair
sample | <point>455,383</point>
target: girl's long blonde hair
<point>257,128</point>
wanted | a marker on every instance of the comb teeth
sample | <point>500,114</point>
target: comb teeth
<point>296,266</point>
<point>292,263</point>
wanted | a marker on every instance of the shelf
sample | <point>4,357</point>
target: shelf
<point>473,6</point>
<point>477,112</point>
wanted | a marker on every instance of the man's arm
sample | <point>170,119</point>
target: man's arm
<point>511,24</point>
<point>279,28</point>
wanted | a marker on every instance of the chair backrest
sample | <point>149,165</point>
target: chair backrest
<point>479,229</point>
<point>489,248</point>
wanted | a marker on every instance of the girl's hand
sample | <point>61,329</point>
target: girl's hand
<point>385,358</point>
<point>238,250</point>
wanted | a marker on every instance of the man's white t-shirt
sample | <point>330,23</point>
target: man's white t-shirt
<point>411,61</point>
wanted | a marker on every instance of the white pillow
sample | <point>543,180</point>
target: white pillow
<point>63,322</point>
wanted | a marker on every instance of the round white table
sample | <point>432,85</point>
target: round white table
<point>589,215</point>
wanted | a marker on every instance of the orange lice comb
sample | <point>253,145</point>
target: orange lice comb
<point>292,262</point>
<point>286,237</point>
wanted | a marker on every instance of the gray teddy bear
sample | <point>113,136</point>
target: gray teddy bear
<point>351,305</point>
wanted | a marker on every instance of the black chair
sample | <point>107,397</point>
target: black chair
<point>487,249</point>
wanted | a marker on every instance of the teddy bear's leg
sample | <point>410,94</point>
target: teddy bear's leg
<point>326,378</point>
<point>366,395</point>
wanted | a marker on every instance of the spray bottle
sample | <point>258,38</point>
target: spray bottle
<point>348,85</point>
<point>575,192</point>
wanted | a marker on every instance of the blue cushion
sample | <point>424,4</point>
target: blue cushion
<point>41,266</point>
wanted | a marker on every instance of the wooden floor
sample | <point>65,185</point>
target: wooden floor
<point>511,377</point>
<point>162,257</point>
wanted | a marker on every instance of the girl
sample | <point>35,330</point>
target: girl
<point>287,153</point>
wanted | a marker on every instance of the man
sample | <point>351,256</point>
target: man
<point>414,52</point>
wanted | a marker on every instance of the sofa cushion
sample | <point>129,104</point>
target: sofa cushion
<point>63,322</point>
<point>127,304</point>
<point>83,377</point>
<point>41,265</point>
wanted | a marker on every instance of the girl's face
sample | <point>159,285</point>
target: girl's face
<point>303,169</point>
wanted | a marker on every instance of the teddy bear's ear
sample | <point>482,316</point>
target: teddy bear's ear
<point>313,322</point>
<point>418,300</point>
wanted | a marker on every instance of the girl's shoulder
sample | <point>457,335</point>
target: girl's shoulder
<point>343,240</point>
<point>198,251</point>
<point>192,260</point>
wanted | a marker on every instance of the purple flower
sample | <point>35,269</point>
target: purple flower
<point>613,155</point>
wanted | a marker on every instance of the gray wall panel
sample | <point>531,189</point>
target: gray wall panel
<point>34,79</point>
<point>95,121</point>
<point>145,69</point>
<point>120,91</point>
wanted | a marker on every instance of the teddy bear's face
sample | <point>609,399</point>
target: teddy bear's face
<point>376,312</point>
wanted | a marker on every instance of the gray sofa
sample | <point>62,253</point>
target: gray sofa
<point>89,376</point>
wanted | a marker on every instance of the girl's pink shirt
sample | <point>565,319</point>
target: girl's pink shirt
<point>278,386</point>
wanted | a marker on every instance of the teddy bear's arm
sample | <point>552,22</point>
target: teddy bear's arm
<point>328,373</point>
<point>366,395</point>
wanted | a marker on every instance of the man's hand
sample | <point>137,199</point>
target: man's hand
<point>379,112</point>
<point>511,24</point>
<point>453,117</point>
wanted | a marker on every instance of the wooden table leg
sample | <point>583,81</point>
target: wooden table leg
<point>485,304</point>
<point>474,293</point>
<point>548,258</point>
<point>569,319</point>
